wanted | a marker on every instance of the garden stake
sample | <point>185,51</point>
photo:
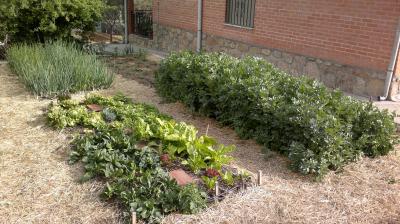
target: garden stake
<point>216,191</point>
<point>133,217</point>
<point>208,126</point>
<point>259,178</point>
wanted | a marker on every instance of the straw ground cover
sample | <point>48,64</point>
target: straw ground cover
<point>38,186</point>
<point>36,183</point>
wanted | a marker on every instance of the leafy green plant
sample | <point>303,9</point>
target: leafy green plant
<point>210,182</point>
<point>129,145</point>
<point>318,129</point>
<point>57,68</point>
<point>228,178</point>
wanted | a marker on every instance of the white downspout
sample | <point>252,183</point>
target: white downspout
<point>126,21</point>
<point>199,25</point>
<point>392,64</point>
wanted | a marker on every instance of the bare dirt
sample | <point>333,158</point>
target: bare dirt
<point>38,186</point>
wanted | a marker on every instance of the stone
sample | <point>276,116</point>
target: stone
<point>283,66</point>
<point>255,51</point>
<point>211,42</point>
<point>94,107</point>
<point>288,58</point>
<point>344,81</point>
<point>359,86</point>
<point>230,44</point>
<point>329,79</point>
<point>243,47</point>
<point>298,64</point>
<point>312,70</point>
<point>235,52</point>
<point>266,52</point>
<point>189,35</point>
<point>375,87</point>
<point>277,54</point>
<point>181,177</point>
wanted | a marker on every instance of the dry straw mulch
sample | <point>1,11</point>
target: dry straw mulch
<point>36,183</point>
<point>38,186</point>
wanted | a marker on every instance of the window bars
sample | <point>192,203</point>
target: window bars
<point>240,12</point>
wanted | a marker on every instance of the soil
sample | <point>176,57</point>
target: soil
<point>133,68</point>
<point>38,186</point>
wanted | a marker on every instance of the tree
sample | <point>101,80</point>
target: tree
<point>41,20</point>
<point>113,15</point>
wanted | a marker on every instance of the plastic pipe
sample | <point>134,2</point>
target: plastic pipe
<point>392,64</point>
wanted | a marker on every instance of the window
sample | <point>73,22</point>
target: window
<point>240,12</point>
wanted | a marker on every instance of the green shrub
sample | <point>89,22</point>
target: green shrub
<point>318,129</point>
<point>57,68</point>
<point>44,20</point>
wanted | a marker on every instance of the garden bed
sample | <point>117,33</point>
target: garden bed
<point>151,164</point>
<point>38,186</point>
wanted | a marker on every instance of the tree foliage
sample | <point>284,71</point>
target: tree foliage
<point>41,20</point>
<point>112,15</point>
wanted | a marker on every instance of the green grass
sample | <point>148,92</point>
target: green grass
<point>57,68</point>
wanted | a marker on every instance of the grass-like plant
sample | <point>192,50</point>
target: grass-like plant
<point>57,68</point>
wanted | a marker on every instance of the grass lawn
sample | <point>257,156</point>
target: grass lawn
<point>38,186</point>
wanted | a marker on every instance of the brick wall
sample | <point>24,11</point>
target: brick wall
<point>176,13</point>
<point>350,32</point>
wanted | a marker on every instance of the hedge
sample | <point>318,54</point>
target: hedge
<point>318,129</point>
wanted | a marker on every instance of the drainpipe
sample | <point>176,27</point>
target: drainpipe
<point>392,65</point>
<point>126,21</point>
<point>199,25</point>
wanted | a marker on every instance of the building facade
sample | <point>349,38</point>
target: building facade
<point>346,44</point>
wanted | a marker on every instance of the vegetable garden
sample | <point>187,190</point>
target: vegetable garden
<point>142,161</point>
<point>133,147</point>
<point>128,150</point>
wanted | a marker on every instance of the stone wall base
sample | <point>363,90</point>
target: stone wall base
<point>350,79</point>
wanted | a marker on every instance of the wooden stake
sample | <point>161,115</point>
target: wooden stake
<point>133,217</point>
<point>216,191</point>
<point>208,126</point>
<point>259,178</point>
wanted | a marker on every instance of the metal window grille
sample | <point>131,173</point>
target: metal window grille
<point>240,12</point>
<point>143,23</point>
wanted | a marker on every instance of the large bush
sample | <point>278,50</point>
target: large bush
<point>57,68</point>
<point>318,129</point>
<point>42,20</point>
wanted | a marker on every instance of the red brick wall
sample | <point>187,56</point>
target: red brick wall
<point>176,13</point>
<point>352,32</point>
